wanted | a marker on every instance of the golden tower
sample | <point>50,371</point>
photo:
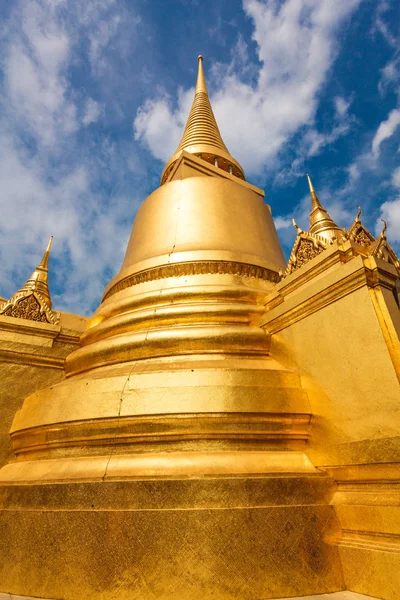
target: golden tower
<point>194,446</point>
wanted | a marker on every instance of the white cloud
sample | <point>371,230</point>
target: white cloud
<point>390,74</point>
<point>385,130</point>
<point>34,84</point>
<point>282,222</point>
<point>353,172</point>
<point>51,182</point>
<point>316,141</point>
<point>92,112</point>
<point>390,211</point>
<point>396,178</point>
<point>342,106</point>
<point>383,26</point>
<point>296,43</point>
<point>160,127</point>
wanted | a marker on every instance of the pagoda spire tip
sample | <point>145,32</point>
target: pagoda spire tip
<point>201,85</point>
<point>44,263</point>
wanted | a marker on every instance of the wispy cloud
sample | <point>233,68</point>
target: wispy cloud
<point>76,74</point>
<point>385,131</point>
<point>390,211</point>
<point>51,182</point>
<point>296,45</point>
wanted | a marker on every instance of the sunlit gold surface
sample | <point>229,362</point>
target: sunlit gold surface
<point>345,303</point>
<point>221,433</point>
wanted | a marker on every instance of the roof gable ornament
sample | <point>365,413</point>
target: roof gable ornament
<point>381,248</point>
<point>306,247</point>
<point>324,232</point>
<point>358,233</point>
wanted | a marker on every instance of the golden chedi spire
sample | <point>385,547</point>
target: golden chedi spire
<point>321,222</point>
<point>32,301</point>
<point>38,281</point>
<point>202,136</point>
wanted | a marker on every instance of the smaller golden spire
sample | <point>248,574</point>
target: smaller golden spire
<point>321,222</point>
<point>315,203</point>
<point>32,301</point>
<point>38,281</point>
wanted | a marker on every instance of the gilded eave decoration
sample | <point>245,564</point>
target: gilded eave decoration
<point>306,247</point>
<point>358,233</point>
<point>380,248</point>
<point>33,301</point>
<point>32,307</point>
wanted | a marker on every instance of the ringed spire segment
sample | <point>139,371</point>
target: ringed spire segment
<point>315,203</point>
<point>38,281</point>
<point>321,222</point>
<point>202,136</point>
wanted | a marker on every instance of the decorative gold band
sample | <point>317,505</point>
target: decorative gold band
<point>194,268</point>
<point>160,432</point>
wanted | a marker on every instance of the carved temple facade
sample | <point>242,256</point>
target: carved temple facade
<point>226,425</point>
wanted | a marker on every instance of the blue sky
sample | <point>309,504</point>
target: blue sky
<point>94,96</point>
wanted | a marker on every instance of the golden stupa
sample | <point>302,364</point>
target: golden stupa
<point>228,427</point>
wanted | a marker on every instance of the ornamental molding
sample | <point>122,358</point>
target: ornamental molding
<point>358,233</point>
<point>33,360</point>
<point>32,307</point>
<point>194,268</point>
<point>306,247</point>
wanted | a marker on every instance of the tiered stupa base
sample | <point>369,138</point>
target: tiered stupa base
<point>255,536</point>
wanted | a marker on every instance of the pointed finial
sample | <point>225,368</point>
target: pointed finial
<point>44,263</point>
<point>38,281</point>
<point>296,226</point>
<point>384,227</point>
<point>202,136</point>
<point>315,203</point>
<point>358,213</point>
<point>201,81</point>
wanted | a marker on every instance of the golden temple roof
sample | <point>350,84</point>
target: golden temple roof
<point>321,222</point>
<point>202,136</point>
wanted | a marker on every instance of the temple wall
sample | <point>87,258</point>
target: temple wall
<point>353,388</point>
<point>32,357</point>
<point>340,332</point>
